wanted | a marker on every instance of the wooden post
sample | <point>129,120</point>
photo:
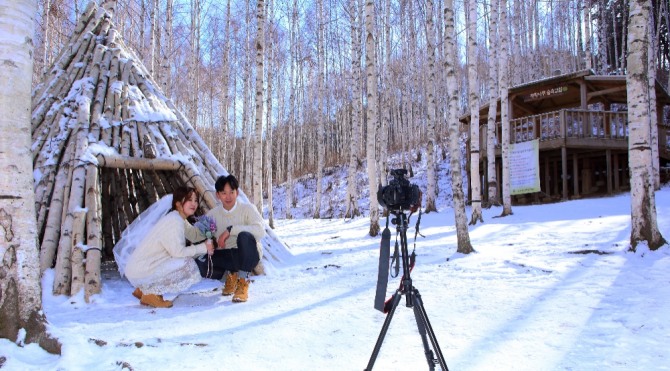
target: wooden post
<point>616,172</point>
<point>608,170</point>
<point>94,233</point>
<point>575,174</point>
<point>547,181</point>
<point>78,241</point>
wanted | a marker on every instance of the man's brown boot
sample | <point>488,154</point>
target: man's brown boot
<point>231,284</point>
<point>137,293</point>
<point>242,291</point>
<point>155,301</point>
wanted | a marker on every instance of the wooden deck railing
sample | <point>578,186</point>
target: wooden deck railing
<point>567,123</point>
<point>575,126</point>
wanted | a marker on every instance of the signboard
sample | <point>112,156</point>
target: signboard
<point>546,93</point>
<point>524,162</point>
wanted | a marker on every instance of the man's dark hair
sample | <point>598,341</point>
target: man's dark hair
<point>226,179</point>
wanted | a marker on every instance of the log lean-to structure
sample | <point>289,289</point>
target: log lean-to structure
<point>107,144</point>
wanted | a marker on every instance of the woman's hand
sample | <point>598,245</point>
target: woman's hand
<point>210,247</point>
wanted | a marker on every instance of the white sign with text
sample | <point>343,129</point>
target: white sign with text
<point>525,167</point>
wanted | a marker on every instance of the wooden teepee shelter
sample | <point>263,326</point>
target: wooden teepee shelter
<point>107,144</point>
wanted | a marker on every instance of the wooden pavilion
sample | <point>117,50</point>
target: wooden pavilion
<point>581,122</point>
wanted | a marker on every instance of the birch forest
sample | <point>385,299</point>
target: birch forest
<point>283,89</point>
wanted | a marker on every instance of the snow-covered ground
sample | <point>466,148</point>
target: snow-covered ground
<point>551,287</point>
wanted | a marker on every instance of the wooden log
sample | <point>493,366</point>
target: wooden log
<point>128,162</point>
<point>171,140</point>
<point>62,280</point>
<point>106,210</point>
<point>46,161</point>
<point>78,242</point>
<point>128,192</point>
<point>46,133</point>
<point>100,94</point>
<point>148,146</point>
<point>60,87</point>
<point>191,176</point>
<point>94,233</point>
<point>121,218</point>
<point>193,137</point>
<point>55,212</point>
<point>125,140</point>
<point>125,73</point>
<point>62,60</point>
<point>78,69</point>
<point>159,140</point>
<point>169,181</point>
<point>136,148</point>
<point>142,190</point>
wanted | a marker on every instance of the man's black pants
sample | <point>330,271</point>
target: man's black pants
<point>243,258</point>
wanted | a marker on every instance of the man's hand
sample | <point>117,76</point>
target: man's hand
<point>222,239</point>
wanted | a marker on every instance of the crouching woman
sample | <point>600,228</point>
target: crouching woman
<point>162,263</point>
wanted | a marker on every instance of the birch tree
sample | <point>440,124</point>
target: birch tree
<point>290,138</point>
<point>321,96</point>
<point>272,63</point>
<point>20,292</point>
<point>431,188</point>
<point>588,58</point>
<point>257,173</point>
<point>473,93</point>
<point>462,234</point>
<point>644,227</point>
<point>354,82</point>
<point>371,72</point>
<point>194,63</point>
<point>493,105</point>
<point>504,107</point>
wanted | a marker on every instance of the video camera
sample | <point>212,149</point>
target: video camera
<point>399,194</point>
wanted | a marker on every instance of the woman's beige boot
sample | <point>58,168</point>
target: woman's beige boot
<point>155,301</point>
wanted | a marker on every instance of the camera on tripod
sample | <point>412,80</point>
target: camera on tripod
<point>397,197</point>
<point>399,194</point>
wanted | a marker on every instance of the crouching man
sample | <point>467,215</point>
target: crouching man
<point>239,230</point>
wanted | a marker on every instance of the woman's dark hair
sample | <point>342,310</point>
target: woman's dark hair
<point>226,179</point>
<point>183,194</point>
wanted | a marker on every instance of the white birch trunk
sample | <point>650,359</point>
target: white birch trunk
<point>460,218</point>
<point>258,130</point>
<point>653,111</point>
<point>588,58</point>
<point>473,87</point>
<point>21,299</point>
<point>644,227</point>
<point>320,117</point>
<point>371,72</point>
<point>355,83</point>
<point>272,66</point>
<point>493,105</point>
<point>166,82</point>
<point>431,186</point>
<point>504,108</point>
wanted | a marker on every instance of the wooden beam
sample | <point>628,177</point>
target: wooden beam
<point>139,163</point>
<point>594,94</point>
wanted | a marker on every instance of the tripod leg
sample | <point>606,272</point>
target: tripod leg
<point>422,331</point>
<point>422,318</point>
<point>382,333</point>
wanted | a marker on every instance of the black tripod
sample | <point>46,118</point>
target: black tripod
<point>413,300</point>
